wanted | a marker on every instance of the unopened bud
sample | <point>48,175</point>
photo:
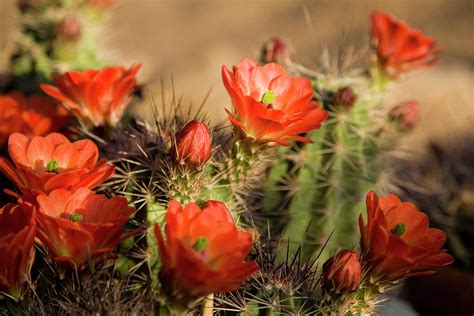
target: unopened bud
<point>276,50</point>
<point>342,273</point>
<point>406,114</point>
<point>69,28</point>
<point>345,97</point>
<point>192,145</point>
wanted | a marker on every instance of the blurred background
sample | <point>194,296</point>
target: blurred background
<point>189,41</point>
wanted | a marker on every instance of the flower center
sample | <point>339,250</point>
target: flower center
<point>200,244</point>
<point>76,217</point>
<point>399,229</point>
<point>268,98</point>
<point>52,166</point>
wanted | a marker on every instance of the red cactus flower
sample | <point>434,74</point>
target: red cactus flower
<point>192,145</point>
<point>96,97</point>
<point>342,273</point>
<point>269,105</point>
<point>17,234</point>
<point>80,226</point>
<point>33,116</point>
<point>204,251</point>
<point>407,114</point>
<point>400,48</point>
<point>397,241</point>
<point>43,164</point>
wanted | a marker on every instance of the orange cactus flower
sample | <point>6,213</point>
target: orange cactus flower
<point>17,234</point>
<point>342,273</point>
<point>269,105</point>
<point>33,116</point>
<point>96,97</point>
<point>397,241</point>
<point>80,226</point>
<point>400,48</point>
<point>204,251</point>
<point>43,164</point>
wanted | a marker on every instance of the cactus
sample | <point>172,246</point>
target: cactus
<point>331,175</point>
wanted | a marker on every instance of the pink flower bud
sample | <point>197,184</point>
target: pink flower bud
<point>407,114</point>
<point>70,28</point>
<point>192,145</point>
<point>276,50</point>
<point>345,96</point>
<point>342,273</point>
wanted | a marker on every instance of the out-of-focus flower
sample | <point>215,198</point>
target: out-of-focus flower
<point>192,145</point>
<point>10,117</point>
<point>33,116</point>
<point>17,234</point>
<point>270,106</point>
<point>102,4</point>
<point>277,50</point>
<point>400,48</point>
<point>342,273</point>
<point>397,241</point>
<point>96,97</point>
<point>406,114</point>
<point>204,252</point>
<point>43,164</point>
<point>69,28</point>
<point>80,226</point>
<point>345,96</point>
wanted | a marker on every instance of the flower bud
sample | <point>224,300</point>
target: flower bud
<point>345,96</point>
<point>342,273</point>
<point>276,50</point>
<point>69,28</point>
<point>192,145</point>
<point>407,114</point>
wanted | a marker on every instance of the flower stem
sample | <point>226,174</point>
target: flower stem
<point>207,307</point>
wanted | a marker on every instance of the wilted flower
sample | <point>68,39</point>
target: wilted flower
<point>43,164</point>
<point>192,145</point>
<point>342,273</point>
<point>397,241</point>
<point>17,234</point>
<point>345,96</point>
<point>400,48</point>
<point>96,97</point>
<point>80,226</point>
<point>407,114</point>
<point>32,116</point>
<point>276,50</point>
<point>270,106</point>
<point>204,252</point>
